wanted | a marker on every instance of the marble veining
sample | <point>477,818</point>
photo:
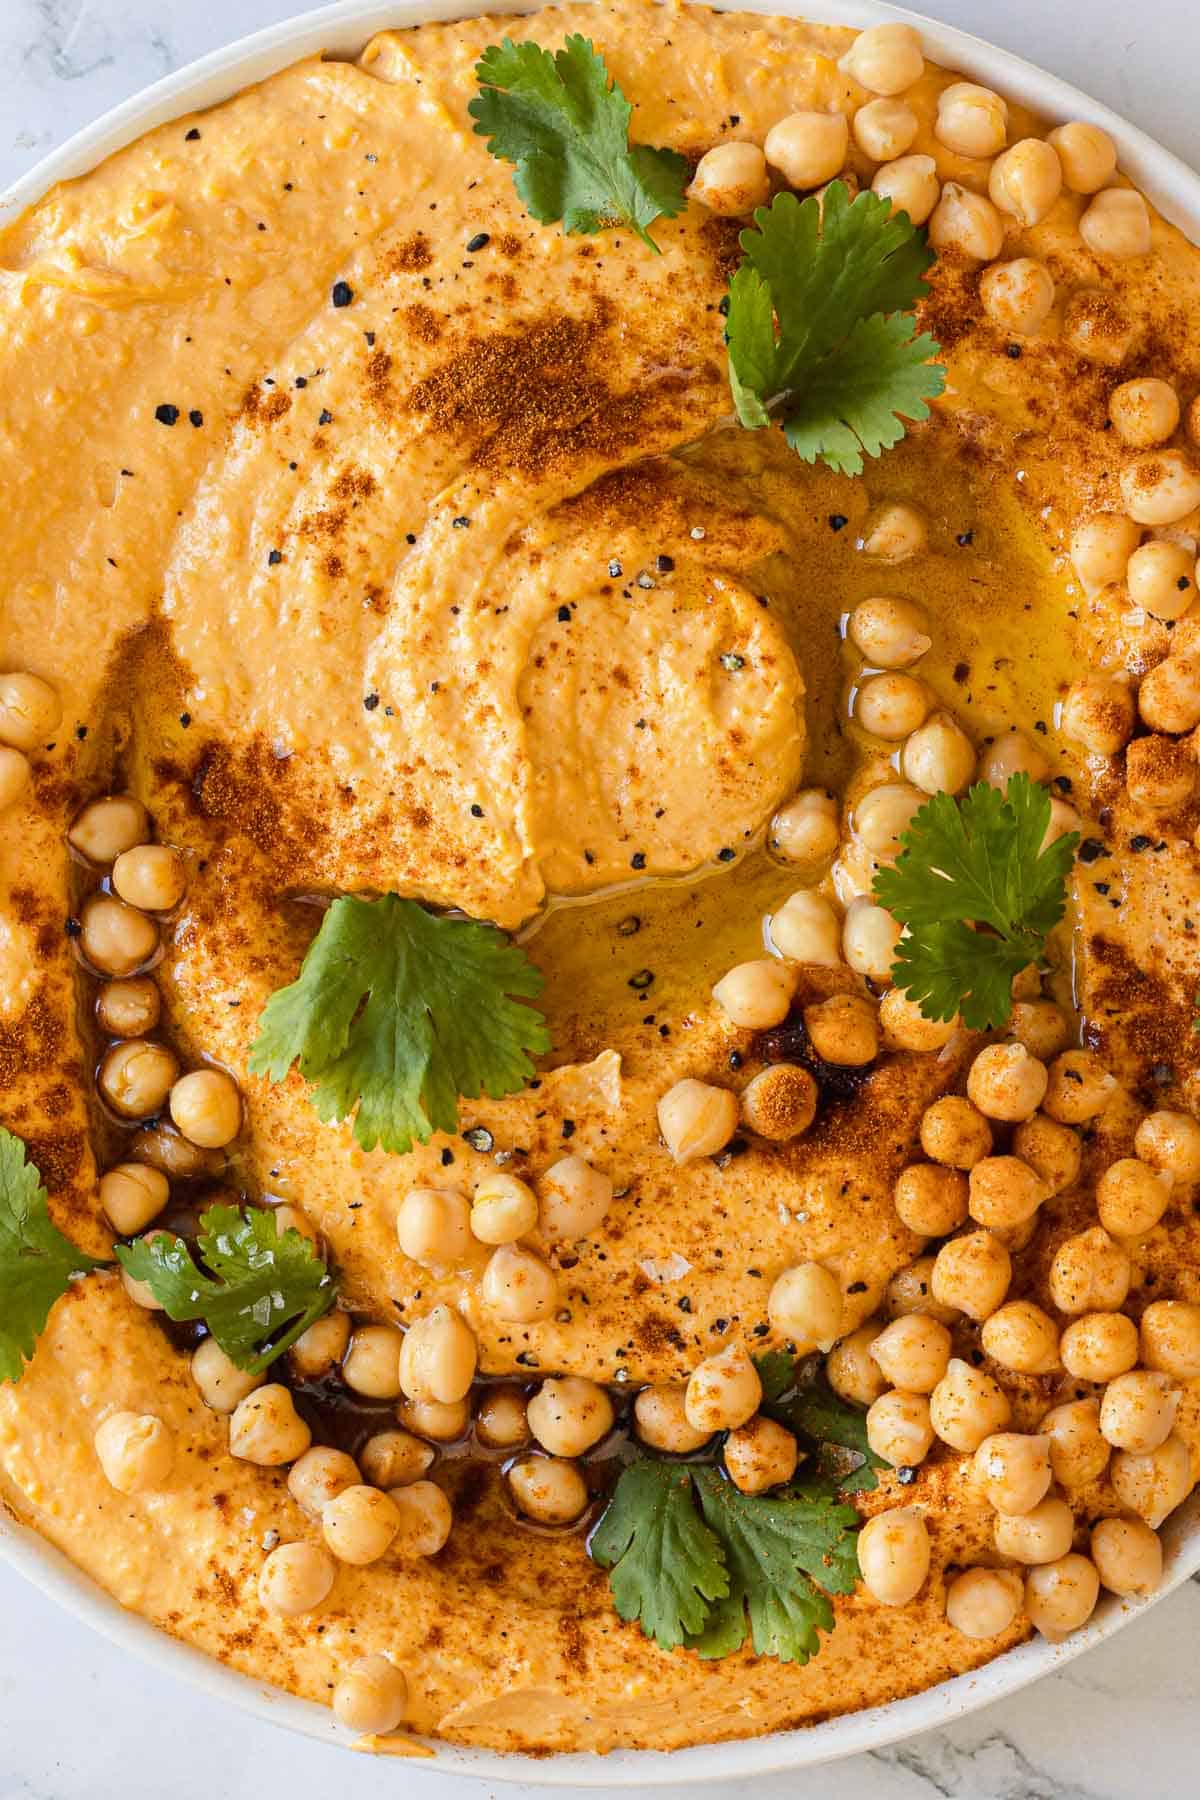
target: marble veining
<point>85,1721</point>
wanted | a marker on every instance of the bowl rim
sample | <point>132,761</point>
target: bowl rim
<point>342,29</point>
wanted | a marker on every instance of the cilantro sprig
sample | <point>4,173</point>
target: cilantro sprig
<point>37,1263</point>
<point>820,328</point>
<point>565,124</point>
<point>265,1289</point>
<point>979,891</point>
<point>396,1013</point>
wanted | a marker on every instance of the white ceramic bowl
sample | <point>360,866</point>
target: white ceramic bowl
<point>1175,189</point>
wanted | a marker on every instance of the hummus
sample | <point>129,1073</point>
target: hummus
<point>379,538</point>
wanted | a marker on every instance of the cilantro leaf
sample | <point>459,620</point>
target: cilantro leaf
<point>786,1554</point>
<point>37,1263</point>
<point>266,1287</point>
<point>820,330</point>
<point>823,1423</point>
<point>978,862</point>
<point>666,1566</point>
<point>565,124</point>
<point>397,1012</point>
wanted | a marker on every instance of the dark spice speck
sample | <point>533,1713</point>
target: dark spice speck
<point>477,242</point>
<point>167,414</point>
<point>342,293</point>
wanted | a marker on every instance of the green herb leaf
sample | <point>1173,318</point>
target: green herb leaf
<point>565,124</point>
<point>978,862</point>
<point>265,1290</point>
<point>824,1424</point>
<point>785,1554</point>
<point>820,328</point>
<point>437,1021</point>
<point>666,1565</point>
<point>37,1263</point>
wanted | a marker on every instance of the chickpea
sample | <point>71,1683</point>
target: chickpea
<point>911,1290</point>
<point>1040,1534</point>
<point>806,830</point>
<point>731,179</point>
<point>140,1292</point>
<point>1017,296</point>
<point>319,1476</point>
<point>295,1579</point>
<point>893,1554</point>
<point>221,1384</point>
<point>1131,1198</point>
<point>911,184</point>
<point>894,532</point>
<point>1101,547</point>
<point>1023,1338</point>
<point>372,1697</point>
<point>1098,329</point>
<point>939,758</point>
<point>318,1350</point>
<point>433,1227</point>
<point>905,1027</point>
<point>971,120</point>
<point>1012,753</point>
<point>360,1524</point>
<point>1078,1088</point>
<point>114,938</point>
<point>1026,180</point>
<point>128,1009</point>
<point>1152,1484</point>
<point>884,129</point>
<point>955,1133</point>
<point>569,1414</point>
<point>1061,1596</point>
<point>1137,1411</point>
<point>136,1451</point>
<point>760,1455</point>
<point>1128,1556</point>
<point>1053,1151</point>
<point>265,1428</point>
<point>1099,1346</point>
<point>292,1218</point>
<point>161,1147</point>
<point>660,1420</point>
<point>756,995</point>
<point>892,705</point>
<point>106,828</point>
<point>371,1365</point>
<point>501,1419</point>
<point>1040,1027</point>
<point>981,1603</point>
<point>1169,697</point>
<point>1088,156</point>
<point>1004,1193</point>
<point>967,223</point>
<point>806,929</point>
<point>134,1077</point>
<point>808,147</point>
<point>504,1209</point>
<point>1006,1083</point>
<point>1117,223</point>
<point>443,1421</point>
<point>1078,1450</point>
<point>967,1406</point>
<point>885,59</point>
<point>1144,413</point>
<point>1170,1338</point>
<point>574,1198</point>
<point>843,1030</point>
<point>805,1305</point>
<point>548,1490</point>
<point>724,1390</point>
<point>1161,487</point>
<point>780,1103</point>
<point>869,938</point>
<point>884,814</point>
<point>206,1105</point>
<point>518,1286</point>
<point>1161,577</point>
<point>132,1195</point>
<point>1099,714</point>
<point>438,1356</point>
<point>852,1371</point>
<point>913,1352</point>
<point>931,1200</point>
<point>899,1428</point>
<point>1170,1142</point>
<point>1063,819</point>
<point>30,710</point>
<point>151,877</point>
<point>393,1459</point>
<point>696,1119</point>
<point>1014,1471</point>
<point>1160,773</point>
<point>891,633</point>
<point>15,776</point>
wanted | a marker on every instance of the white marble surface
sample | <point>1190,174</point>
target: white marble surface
<point>80,1720</point>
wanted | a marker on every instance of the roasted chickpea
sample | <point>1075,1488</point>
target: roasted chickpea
<point>899,1428</point>
<point>437,1357</point>
<point>135,1077</point>
<point>393,1459</point>
<point>318,1476</point>
<point>206,1105</point>
<point>893,1554</point>
<point>1096,328</point>
<point>891,705</point>
<point>318,1350</point>
<point>660,1420</point>
<point>1170,1142</point>
<point>265,1428</point>
<point>780,1102</point>
<point>1078,1450</point>
<point>1061,1596</point>
<point>222,1385</point>
<point>371,1365</point>
<point>756,995</point>
<point>967,1406</point>
<point>573,1198</point>
<point>132,1195</point>
<point>162,1147</point>
<point>1137,1411</point>
<point>517,1285</point>
<point>1131,1198</point>
<point>966,222</point>
<point>1078,1088</point>
<point>723,1391</point>
<point>504,1208</point>
<point>911,1290</point>
<point>891,633</point>
<point>931,1200</point>
<point>569,1414</point>
<point>885,59</point>
<point>295,1579</point>
<point>151,877</point>
<point>852,1371</point>
<point>1101,547</point>
<point>806,830</point>
<point>1004,1193</point>
<point>1161,487</point>
<point>548,1490</point>
<point>843,1030</point>
<point>30,710</point>
<point>1014,1471</point>
<point>731,179</point>
<point>955,1133</point>
<point>911,184</point>
<point>1026,180</point>
<point>808,147</point>
<point>501,1419</point>
<point>1006,1083</point>
<point>1099,1346</point>
<point>1170,1338</point>
<point>445,1421</point>
<point>1087,155</point>
<point>1154,1483</point>
<point>136,1451</point>
<point>1161,577</point>
<point>114,938</point>
<point>1012,753</point>
<point>981,1603</point>
<point>1017,296</point>
<point>433,1227</point>
<point>905,1026</point>
<point>1160,773</point>
<point>426,1519</point>
<point>360,1523</point>
<point>895,531</point>
<point>1040,1534</point>
<point>1099,714</point>
<point>805,1305</point>
<point>1117,223</point>
<point>1144,413</point>
<point>1052,1150</point>
<point>760,1455</point>
<point>1040,1027</point>
<point>869,938</point>
<point>128,1009</point>
<point>913,1352</point>
<point>883,815</point>
<point>939,757</point>
<point>1169,697</point>
<point>1128,1556</point>
<point>806,929</point>
<point>696,1119</point>
<point>1021,1337</point>
<point>371,1697</point>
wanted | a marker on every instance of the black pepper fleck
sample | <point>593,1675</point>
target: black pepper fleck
<point>370,702</point>
<point>274,557</point>
<point>564,615</point>
<point>342,293</point>
<point>196,417</point>
<point>476,810</point>
<point>166,414</point>
<point>641,981</point>
<point>478,242</point>
<point>189,137</point>
<point>838,521</point>
<point>324,417</point>
<point>726,855</point>
<point>638,859</point>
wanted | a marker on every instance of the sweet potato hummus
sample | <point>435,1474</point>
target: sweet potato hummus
<point>377,537</point>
